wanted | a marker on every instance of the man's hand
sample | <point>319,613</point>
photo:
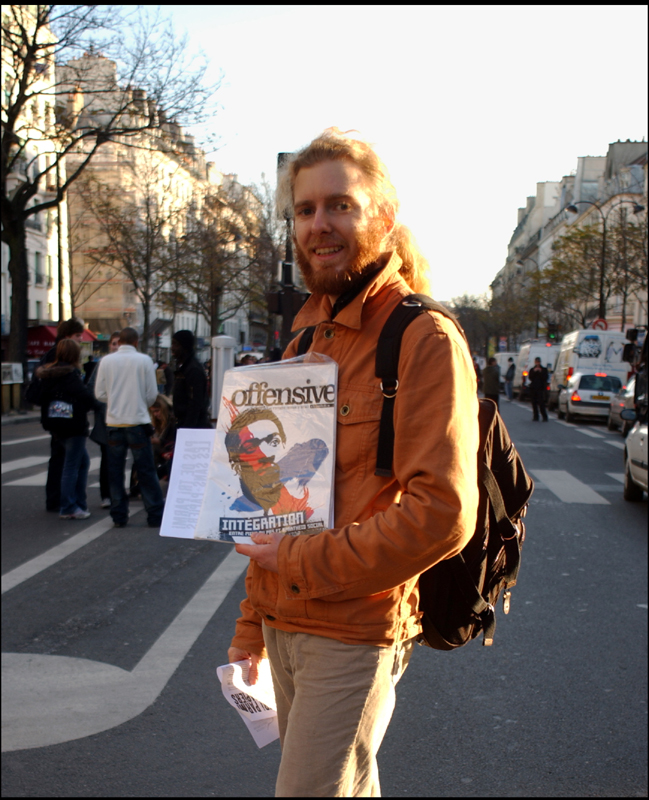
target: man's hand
<point>264,551</point>
<point>236,654</point>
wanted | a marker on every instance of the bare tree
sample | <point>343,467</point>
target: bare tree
<point>473,314</point>
<point>76,77</point>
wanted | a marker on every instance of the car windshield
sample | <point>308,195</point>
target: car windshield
<point>600,383</point>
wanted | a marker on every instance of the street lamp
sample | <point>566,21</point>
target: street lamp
<point>572,208</point>
<point>521,263</point>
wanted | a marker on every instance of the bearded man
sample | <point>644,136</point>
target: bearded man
<point>337,612</point>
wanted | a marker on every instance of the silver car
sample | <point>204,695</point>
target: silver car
<point>587,395</point>
<point>623,399</point>
<point>635,458</point>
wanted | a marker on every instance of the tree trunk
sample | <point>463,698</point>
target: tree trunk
<point>16,239</point>
<point>215,310</point>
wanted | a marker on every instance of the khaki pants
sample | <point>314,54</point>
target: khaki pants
<point>334,704</point>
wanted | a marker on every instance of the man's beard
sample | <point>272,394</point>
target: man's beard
<point>333,282</point>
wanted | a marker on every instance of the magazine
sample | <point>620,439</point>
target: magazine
<point>272,462</point>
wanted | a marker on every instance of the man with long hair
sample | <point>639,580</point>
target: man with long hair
<point>337,612</point>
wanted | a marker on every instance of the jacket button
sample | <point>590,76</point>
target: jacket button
<point>329,333</point>
<point>269,617</point>
<point>344,410</point>
<point>295,589</point>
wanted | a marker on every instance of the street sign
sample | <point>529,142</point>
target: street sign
<point>600,325</point>
<point>502,344</point>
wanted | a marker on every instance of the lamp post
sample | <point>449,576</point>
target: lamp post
<point>521,263</point>
<point>572,208</point>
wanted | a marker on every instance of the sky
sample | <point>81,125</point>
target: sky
<point>469,106</point>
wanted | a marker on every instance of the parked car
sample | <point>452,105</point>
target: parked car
<point>635,457</point>
<point>623,399</point>
<point>588,395</point>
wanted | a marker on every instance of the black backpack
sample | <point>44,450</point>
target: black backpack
<point>457,596</point>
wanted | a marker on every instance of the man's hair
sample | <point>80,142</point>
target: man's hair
<point>68,328</point>
<point>128,336</point>
<point>115,335</point>
<point>492,361</point>
<point>68,352</point>
<point>334,145</point>
<point>232,441</point>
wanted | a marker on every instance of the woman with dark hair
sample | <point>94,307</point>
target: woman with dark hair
<point>64,413</point>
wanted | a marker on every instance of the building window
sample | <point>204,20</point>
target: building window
<point>38,310</point>
<point>38,269</point>
<point>49,273</point>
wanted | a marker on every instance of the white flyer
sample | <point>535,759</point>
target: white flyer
<point>255,704</point>
<point>272,463</point>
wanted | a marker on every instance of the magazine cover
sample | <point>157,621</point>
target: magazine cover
<point>272,463</point>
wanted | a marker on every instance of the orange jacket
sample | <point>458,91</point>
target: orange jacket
<point>357,582</point>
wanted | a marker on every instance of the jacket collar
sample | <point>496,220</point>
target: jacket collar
<point>318,308</point>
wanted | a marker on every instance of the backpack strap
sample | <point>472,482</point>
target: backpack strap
<point>305,340</point>
<point>387,368</point>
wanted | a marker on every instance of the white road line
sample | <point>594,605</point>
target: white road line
<point>597,430</point>
<point>40,478</point>
<point>28,439</point>
<point>23,463</point>
<point>61,551</point>
<point>50,699</point>
<point>590,433</point>
<point>613,443</point>
<point>567,424</point>
<point>567,488</point>
<point>618,476</point>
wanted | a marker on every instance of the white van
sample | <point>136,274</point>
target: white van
<point>588,351</point>
<point>531,350</point>
<point>503,363</point>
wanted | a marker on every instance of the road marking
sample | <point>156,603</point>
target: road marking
<point>23,463</point>
<point>50,699</point>
<point>618,476</point>
<point>54,554</point>
<point>613,443</point>
<point>40,478</point>
<point>597,430</point>
<point>590,433</point>
<point>568,488</point>
<point>28,439</point>
<point>567,424</point>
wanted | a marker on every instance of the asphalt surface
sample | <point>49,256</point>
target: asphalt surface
<point>556,708</point>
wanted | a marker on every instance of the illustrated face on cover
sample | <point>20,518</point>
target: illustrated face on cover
<point>272,479</point>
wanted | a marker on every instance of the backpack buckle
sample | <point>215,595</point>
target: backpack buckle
<point>393,390</point>
<point>411,303</point>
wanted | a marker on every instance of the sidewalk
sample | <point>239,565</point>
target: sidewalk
<point>14,417</point>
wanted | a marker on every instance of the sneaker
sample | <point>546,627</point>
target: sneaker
<point>105,503</point>
<point>78,514</point>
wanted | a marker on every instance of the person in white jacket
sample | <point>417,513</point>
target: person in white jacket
<point>126,382</point>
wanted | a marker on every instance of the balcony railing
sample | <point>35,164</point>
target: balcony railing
<point>39,278</point>
<point>32,222</point>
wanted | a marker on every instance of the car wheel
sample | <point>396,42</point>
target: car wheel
<point>560,413</point>
<point>626,428</point>
<point>610,424</point>
<point>569,417</point>
<point>632,491</point>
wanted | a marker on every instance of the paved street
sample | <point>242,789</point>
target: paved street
<point>111,639</point>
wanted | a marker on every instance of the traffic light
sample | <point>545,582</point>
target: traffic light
<point>553,332</point>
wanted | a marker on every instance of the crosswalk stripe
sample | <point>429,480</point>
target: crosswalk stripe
<point>567,488</point>
<point>28,439</point>
<point>40,478</point>
<point>590,433</point>
<point>613,443</point>
<point>618,476</point>
<point>23,463</point>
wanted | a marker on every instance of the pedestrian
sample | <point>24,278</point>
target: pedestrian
<point>336,613</point>
<point>99,434</point>
<point>126,383</point>
<point>68,329</point>
<point>190,398</point>
<point>509,379</point>
<point>478,372</point>
<point>491,380</point>
<point>538,378</point>
<point>164,437</point>
<point>65,402</point>
<point>168,379</point>
<point>89,368</point>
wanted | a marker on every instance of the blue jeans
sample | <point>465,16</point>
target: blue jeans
<point>509,390</point>
<point>119,440</point>
<point>74,475</point>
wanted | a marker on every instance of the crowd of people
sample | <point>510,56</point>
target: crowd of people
<point>137,405</point>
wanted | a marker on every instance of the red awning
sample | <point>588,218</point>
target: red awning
<point>42,338</point>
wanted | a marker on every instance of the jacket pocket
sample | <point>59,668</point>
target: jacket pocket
<point>358,415</point>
